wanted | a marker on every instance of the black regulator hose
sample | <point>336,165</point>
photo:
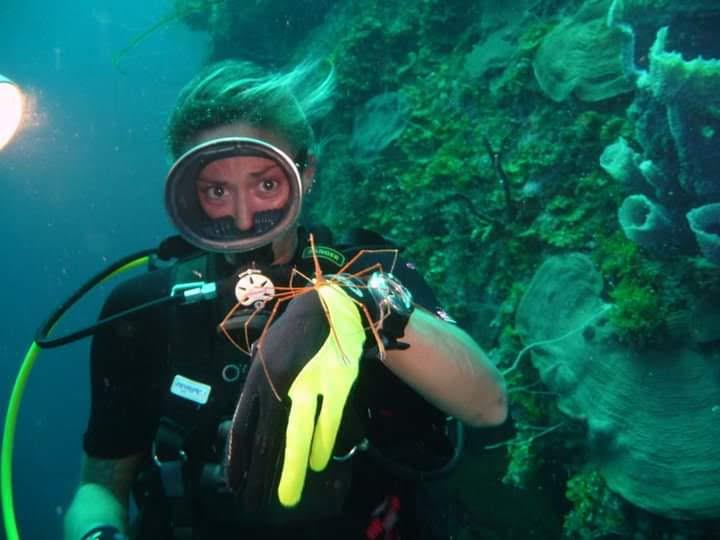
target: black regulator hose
<point>131,261</point>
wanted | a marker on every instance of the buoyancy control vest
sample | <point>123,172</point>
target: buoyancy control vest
<point>183,490</point>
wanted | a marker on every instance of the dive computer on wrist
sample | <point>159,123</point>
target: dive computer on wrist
<point>394,301</point>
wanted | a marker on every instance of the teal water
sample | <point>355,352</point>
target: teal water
<point>551,166</point>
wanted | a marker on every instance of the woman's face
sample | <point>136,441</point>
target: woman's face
<point>241,187</point>
<point>244,187</point>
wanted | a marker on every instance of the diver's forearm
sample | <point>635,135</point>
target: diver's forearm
<point>447,367</point>
<point>92,506</point>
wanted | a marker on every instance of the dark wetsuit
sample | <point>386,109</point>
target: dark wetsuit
<point>134,361</point>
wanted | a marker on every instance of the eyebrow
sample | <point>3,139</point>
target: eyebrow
<point>255,174</point>
<point>265,170</point>
<point>201,180</point>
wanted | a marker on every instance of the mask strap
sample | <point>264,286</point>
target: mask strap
<point>301,160</point>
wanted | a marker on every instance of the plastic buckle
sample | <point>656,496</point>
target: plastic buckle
<point>171,473</point>
<point>195,291</point>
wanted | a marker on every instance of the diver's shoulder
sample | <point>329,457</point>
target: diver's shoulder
<point>362,238</point>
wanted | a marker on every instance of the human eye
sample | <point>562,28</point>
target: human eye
<point>269,185</point>
<point>214,191</point>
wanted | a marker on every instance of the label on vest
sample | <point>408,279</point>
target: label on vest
<point>324,252</point>
<point>189,389</point>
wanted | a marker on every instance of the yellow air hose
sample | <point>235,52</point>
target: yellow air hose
<point>6,490</point>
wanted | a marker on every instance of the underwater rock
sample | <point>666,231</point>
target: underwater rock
<point>493,53</point>
<point>265,32</point>
<point>501,25</point>
<point>504,14</point>
<point>705,225</point>
<point>381,121</point>
<point>645,222</point>
<point>653,416</point>
<point>584,56</point>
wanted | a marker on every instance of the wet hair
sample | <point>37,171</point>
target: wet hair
<point>285,103</point>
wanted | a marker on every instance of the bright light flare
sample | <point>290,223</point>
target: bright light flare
<point>11,109</point>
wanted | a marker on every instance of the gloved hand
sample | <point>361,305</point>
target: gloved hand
<point>309,356</point>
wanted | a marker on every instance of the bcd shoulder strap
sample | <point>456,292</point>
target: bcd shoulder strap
<point>205,373</point>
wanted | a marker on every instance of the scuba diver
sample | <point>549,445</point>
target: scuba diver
<point>307,386</point>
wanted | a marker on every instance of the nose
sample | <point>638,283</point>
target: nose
<point>244,215</point>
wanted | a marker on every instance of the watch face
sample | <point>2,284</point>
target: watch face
<point>387,289</point>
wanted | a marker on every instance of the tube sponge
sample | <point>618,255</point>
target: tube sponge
<point>655,177</point>
<point>705,224</point>
<point>645,222</point>
<point>627,166</point>
<point>621,162</point>
<point>689,91</point>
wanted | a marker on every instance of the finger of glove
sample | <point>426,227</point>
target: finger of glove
<point>326,432</point>
<point>299,434</point>
<point>338,359</point>
<point>268,443</point>
<point>255,444</point>
<point>238,450</point>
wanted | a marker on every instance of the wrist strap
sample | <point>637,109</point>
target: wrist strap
<point>394,302</point>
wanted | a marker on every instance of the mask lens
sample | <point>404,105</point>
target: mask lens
<point>233,195</point>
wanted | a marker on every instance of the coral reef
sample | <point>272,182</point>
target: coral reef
<point>658,12</point>
<point>624,164</point>
<point>493,53</point>
<point>624,395</point>
<point>597,512</point>
<point>488,174</point>
<point>705,224</point>
<point>266,32</point>
<point>689,92</point>
<point>677,122</point>
<point>584,56</point>
<point>646,222</point>
<point>380,121</point>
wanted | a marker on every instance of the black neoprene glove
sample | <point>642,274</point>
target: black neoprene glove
<point>256,442</point>
<point>301,356</point>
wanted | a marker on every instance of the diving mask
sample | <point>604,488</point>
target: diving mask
<point>234,194</point>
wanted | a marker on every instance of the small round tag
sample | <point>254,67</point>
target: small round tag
<point>253,287</point>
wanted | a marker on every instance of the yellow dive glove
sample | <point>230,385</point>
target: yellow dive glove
<point>308,357</point>
<point>329,374</point>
